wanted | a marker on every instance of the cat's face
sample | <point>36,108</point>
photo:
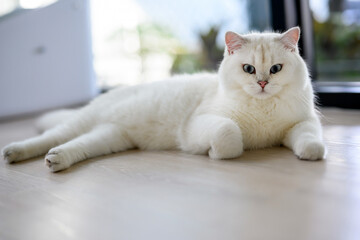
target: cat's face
<point>262,64</point>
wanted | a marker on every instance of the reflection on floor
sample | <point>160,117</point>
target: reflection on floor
<point>265,194</point>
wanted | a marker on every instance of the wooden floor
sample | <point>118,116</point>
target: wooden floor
<point>265,194</point>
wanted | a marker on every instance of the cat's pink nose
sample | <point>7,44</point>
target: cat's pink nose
<point>262,83</point>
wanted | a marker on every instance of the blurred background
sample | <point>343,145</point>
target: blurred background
<point>135,41</point>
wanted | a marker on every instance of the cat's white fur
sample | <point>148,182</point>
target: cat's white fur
<point>217,114</point>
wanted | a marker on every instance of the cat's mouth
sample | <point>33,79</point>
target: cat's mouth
<point>259,92</point>
<point>263,93</point>
<point>268,91</point>
<point>263,90</point>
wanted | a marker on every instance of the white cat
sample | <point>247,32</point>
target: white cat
<point>261,97</point>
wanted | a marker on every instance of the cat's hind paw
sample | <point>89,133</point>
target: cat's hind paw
<point>13,153</point>
<point>311,150</point>
<point>56,160</point>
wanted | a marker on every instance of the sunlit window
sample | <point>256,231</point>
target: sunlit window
<point>138,41</point>
<point>337,39</point>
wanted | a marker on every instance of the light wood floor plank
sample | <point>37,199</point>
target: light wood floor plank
<point>265,194</point>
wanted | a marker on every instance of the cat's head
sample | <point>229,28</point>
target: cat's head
<point>263,64</point>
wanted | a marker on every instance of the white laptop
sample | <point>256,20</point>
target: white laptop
<point>46,58</point>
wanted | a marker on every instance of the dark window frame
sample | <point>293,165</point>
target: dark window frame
<point>289,13</point>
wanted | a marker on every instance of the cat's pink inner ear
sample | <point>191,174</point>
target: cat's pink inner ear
<point>290,38</point>
<point>233,41</point>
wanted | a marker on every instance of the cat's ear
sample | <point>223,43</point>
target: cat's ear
<point>233,42</point>
<point>290,38</point>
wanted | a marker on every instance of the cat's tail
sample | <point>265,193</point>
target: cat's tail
<point>54,118</point>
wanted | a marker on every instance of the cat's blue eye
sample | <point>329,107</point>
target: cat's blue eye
<point>249,68</point>
<point>276,68</point>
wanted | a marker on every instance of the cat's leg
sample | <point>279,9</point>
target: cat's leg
<point>220,137</point>
<point>305,139</point>
<point>39,145</point>
<point>102,140</point>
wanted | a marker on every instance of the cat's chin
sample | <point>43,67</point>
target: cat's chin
<point>262,95</point>
<point>257,92</point>
<point>266,93</point>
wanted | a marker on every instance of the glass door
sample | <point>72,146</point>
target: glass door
<point>336,25</point>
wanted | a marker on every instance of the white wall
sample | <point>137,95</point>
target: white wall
<point>46,59</point>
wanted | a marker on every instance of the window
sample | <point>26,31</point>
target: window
<point>337,43</point>
<point>337,39</point>
<point>137,41</point>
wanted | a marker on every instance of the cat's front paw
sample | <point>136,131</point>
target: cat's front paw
<point>310,150</point>
<point>227,143</point>
<point>56,160</point>
<point>223,154</point>
<point>13,153</point>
